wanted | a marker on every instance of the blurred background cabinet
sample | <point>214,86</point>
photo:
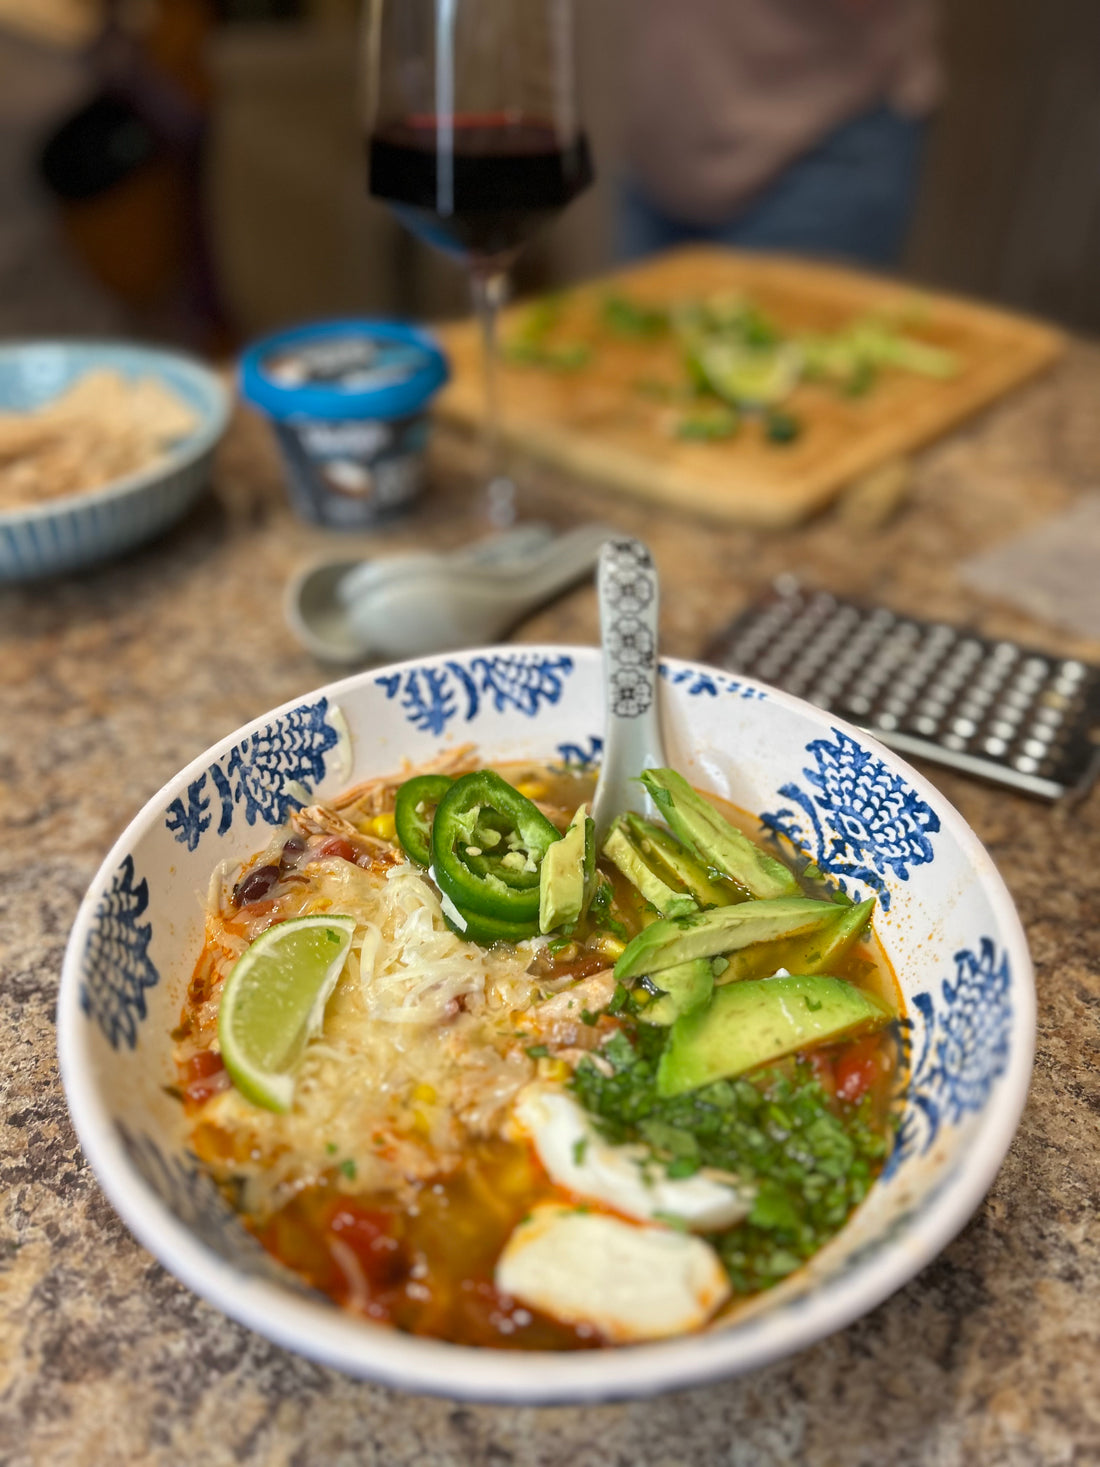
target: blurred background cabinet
<point>1009,208</point>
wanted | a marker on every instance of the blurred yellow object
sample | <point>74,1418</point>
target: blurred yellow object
<point>382,826</point>
<point>533,789</point>
<point>68,23</point>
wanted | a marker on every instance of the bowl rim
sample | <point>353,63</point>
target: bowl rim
<point>331,1337</point>
<point>215,420</point>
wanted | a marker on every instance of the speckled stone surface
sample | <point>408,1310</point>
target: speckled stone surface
<point>113,680</point>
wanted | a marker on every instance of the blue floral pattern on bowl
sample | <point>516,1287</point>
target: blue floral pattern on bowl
<point>267,775</point>
<point>696,682</point>
<point>431,696</point>
<point>863,822</point>
<point>963,1048</point>
<point>117,965</point>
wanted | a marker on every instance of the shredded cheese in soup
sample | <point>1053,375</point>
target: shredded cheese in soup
<point>412,1058</point>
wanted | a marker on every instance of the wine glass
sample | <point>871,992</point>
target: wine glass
<point>474,143</point>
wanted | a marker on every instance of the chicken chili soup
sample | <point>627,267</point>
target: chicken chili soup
<point>471,1077</point>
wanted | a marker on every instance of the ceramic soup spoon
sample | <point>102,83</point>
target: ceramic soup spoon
<point>627,580</point>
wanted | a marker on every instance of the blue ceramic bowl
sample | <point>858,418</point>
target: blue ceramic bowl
<point>80,529</point>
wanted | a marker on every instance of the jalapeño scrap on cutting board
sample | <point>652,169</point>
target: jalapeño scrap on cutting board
<point>473,1077</point>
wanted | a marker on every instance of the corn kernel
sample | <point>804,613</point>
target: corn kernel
<point>549,1068</point>
<point>425,1094</point>
<point>607,945</point>
<point>421,1126</point>
<point>383,826</point>
<point>533,789</point>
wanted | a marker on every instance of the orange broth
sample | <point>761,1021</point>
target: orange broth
<point>423,1263</point>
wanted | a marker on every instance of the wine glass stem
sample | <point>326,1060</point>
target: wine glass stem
<point>488,288</point>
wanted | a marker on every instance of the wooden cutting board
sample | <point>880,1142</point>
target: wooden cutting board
<point>596,424</point>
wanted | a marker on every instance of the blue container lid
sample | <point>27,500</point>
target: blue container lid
<point>343,369</point>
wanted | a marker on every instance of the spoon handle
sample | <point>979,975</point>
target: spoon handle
<point>627,582</point>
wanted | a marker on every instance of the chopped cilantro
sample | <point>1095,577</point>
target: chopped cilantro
<point>348,1169</point>
<point>580,1146</point>
<point>619,1053</point>
<point>538,1051</point>
<point>619,999</point>
<point>630,317</point>
<point>589,1018</point>
<point>810,1163</point>
<point>331,1148</point>
<point>599,911</point>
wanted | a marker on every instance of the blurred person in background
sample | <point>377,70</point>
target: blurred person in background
<point>795,125</point>
<point>126,166</point>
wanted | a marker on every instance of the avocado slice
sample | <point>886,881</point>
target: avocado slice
<point>673,940</point>
<point>687,986</point>
<point>665,853</point>
<point>620,850</point>
<point>821,951</point>
<point>719,843</point>
<point>562,876</point>
<point>751,1023</point>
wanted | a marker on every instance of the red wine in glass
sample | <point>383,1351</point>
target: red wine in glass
<point>477,186</point>
<point>475,142</point>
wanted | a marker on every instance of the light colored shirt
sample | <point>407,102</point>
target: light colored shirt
<point>723,94</point>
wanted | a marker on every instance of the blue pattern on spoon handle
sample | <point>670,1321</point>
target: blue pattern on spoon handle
<point>627,581</point>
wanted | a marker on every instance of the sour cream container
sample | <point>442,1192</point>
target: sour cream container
<point>349,404</point>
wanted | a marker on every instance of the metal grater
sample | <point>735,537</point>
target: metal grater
<point>1012,714</point>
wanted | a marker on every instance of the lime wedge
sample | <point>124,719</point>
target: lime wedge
<point>274,1001</point>
<point>751,376</point>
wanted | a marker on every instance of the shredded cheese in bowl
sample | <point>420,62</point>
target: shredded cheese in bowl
<point>411,1059</point>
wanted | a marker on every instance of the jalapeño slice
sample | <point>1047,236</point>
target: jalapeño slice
<point>488,842</point>
<point>486,931</point>
<point>413,812</point>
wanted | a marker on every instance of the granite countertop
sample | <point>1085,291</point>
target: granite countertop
<point>113,680</point>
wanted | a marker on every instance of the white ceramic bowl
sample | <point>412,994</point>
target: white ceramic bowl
<point>944,917</point>
<point>79,530</point>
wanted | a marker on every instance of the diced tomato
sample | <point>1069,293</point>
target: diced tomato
<point>206,1062</point>
<point>204,1075</point>
<point>368,1232</point>
<point>821,1062</point>
<point>335,845</point>
<point>858,1069</point>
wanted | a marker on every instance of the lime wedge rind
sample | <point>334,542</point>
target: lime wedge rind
<point>274,1001</point>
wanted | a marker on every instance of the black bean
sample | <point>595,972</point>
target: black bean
<point>293,847</point>
<point>255,886</point>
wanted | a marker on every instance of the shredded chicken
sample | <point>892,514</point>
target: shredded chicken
<point>573,1057</point>
<point>321,820</point>
<point>374,796</point>
<point>593,993</point>
<point>559,1021</point>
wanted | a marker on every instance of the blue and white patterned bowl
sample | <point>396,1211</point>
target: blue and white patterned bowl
<point>944,916</point>
<point>81,529</point>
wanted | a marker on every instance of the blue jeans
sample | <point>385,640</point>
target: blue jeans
<point>851,196</point>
